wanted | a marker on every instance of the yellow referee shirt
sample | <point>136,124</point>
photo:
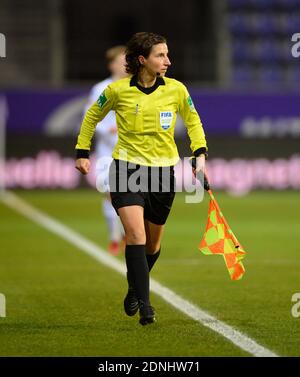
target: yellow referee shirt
<point>145,118</point>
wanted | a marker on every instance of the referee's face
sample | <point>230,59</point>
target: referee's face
<point>157,61</point>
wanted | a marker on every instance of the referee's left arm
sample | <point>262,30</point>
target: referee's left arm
<point>192,122</point>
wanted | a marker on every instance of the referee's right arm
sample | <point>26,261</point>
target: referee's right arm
<point>93,116</point>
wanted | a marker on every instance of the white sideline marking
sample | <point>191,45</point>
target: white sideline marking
<point>236,337</point>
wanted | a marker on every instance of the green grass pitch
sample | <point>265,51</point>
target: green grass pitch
<point>61,302</point>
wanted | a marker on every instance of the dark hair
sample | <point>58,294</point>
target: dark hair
<point>140,44</point>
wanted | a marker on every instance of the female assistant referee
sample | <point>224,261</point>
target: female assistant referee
<point>145,104</point>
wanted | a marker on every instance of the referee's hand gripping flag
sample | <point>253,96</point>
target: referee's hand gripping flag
<point>218,238</point>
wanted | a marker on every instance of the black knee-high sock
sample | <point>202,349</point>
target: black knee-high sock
<point>138,271</point>
<point>152,258</point>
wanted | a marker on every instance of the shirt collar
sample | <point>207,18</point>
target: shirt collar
<point>134,82</point>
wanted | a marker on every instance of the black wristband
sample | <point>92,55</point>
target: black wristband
<point>200,151</point>
<point>82,153</point>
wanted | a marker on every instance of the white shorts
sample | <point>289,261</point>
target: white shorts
<point>102,174</point>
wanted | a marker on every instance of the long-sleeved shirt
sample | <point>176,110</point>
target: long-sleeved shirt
<point>106,130</point>
<point>145,118</point>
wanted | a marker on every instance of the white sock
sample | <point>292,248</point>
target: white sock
<point>112,220</point>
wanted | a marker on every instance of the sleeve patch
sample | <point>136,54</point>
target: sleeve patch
<point>190,103</point>
<point>102,100</point>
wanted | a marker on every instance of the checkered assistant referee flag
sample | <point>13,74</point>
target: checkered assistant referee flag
<point>219,239</point>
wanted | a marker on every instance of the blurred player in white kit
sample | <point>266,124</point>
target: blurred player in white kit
<point>107,136</point>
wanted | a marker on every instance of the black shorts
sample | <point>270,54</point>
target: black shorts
<point>152,188</point>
